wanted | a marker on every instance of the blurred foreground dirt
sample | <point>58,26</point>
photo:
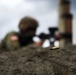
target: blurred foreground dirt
<point>38,61</point>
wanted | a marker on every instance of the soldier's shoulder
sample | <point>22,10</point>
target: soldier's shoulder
<point>6,41</point>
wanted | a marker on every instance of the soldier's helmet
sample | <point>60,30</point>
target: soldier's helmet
<point>28,23</point>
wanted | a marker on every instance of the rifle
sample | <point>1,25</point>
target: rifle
<point>52,36</point>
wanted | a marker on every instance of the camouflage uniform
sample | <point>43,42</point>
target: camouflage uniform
<point>15,40</point>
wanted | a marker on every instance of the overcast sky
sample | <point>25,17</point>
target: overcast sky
<point>45,11</point>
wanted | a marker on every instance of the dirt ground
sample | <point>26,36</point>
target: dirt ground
<point>38,61</point>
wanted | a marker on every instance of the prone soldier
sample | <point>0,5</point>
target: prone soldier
<point>15,40</point>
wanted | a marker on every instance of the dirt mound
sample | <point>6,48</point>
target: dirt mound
<point>39,61</point>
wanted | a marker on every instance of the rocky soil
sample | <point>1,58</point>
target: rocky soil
<point>38,61</point>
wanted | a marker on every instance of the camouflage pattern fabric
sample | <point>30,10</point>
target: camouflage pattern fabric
<point>10,41</point>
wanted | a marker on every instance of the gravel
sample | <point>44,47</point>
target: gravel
<point>38,61</point>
